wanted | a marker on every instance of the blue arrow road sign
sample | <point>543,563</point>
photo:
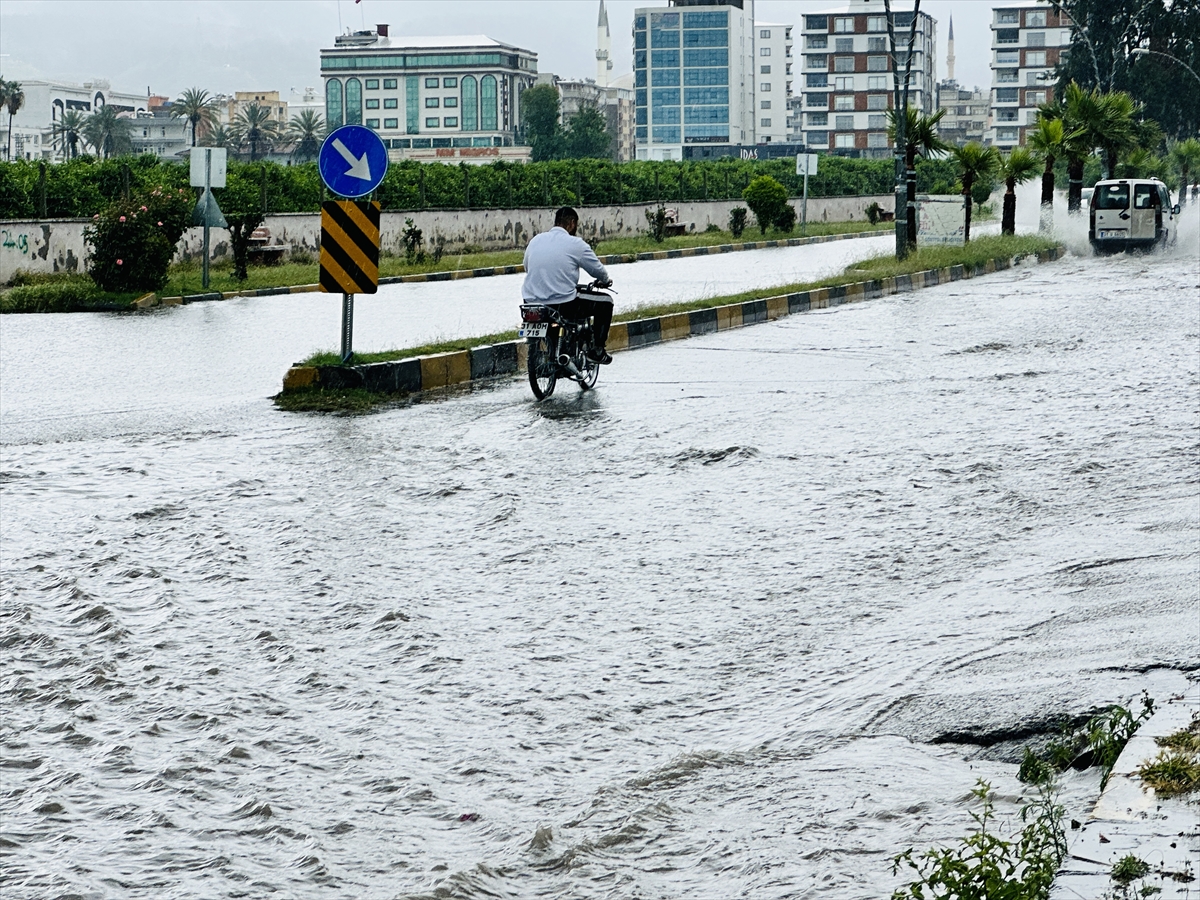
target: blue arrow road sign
<point>353,161</point>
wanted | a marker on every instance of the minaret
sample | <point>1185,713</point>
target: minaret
<point>950,51</point>
<point>604,62</point>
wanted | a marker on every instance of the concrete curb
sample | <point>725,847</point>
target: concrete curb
<point>422,373</point>
<point>612,259</point>
<point>1130,820</point>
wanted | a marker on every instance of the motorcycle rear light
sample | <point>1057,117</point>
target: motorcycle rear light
<point>531,315</point>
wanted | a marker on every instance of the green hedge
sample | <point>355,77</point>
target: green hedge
<point>85,186</point>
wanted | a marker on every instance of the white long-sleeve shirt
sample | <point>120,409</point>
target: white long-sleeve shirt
<point>552,263</point>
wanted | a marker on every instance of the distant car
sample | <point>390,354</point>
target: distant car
<point>1086,196</point>
<point>1129,213</point>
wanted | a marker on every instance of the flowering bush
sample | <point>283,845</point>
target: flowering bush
<point>132,241</point>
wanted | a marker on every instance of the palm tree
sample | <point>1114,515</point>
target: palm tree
<point>1118,131</point>
<point>14,99</point>
<point>1142,163</point>
<point>1185,155</point>
<point>218,136</point>
<point>68,132</point>
<point>920,139</point>
<point>1017,168</point>
<point>1049,139</point>
<point>1080,112</point>
<point>196,106</point>
<point>254,126</point>
<point>975,162</point>
<point>108,133</point>
<point>306,131</point>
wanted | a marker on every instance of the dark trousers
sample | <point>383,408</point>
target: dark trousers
<point>600,310</point>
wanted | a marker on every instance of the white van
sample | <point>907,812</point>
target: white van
<point>1131,212</point>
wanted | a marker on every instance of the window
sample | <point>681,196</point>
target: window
<point>1006,114</point>
<point>412,108</point>
<point>1006,135</point>
<point>877,122</point>
<point>714,37</point>
<point>666,115</point>
<point>1006,95</point>
<point>765,34</point>
<point>816,80</point>
<point>843,25</point>
<point>817,61</point>
<point>433,82</point>
<point>819,100</point>
<point>845,83</point>
<point>877,45</point>
<point>1007,17</point>
<point>664,39</point>
<point>765,87</point>
<point>371,84</point>
<point>668,135</point>
<point>843,102</point>
<point>641,117</point>
<point>666,59</point>
<point>705,76</point>
<point>816,23</point>
<point>487,103</point>
<point>706,96</point>
<point>1007,76</point>
<point>764,51</point>
<point>764,123</point>
<point>665,97</point>
<point>431,102</point>
<point>816,42</point>
<point>844,141</point>
<point>450,121</point>
<point>843,64</point>
<point>879,23</point>
<point>696,59</point>
<point>373,103</point>
<point>1007,36</point>
<point>470,103</point>
<point>877,101</point>
<point>392,124</point>
<point>705,20</point>
<point>1035,18</point>
<point>818,138</point>
<point>639,78</point>
<point>1035,57</point>
<point>665,78</point>
<point>640,22</point>
<point>877,82</point>
<point>877,64</point>
<point>639,40</point>
<point>1035,98</point>
<point>391,103</point>
<point>333,103</point>
<point>843,123</point>
<point>389,84</point>
<point>821,119</point>
<point>1008,58</point>
<point>876,139</point>
<point>432,122</point>
<point>764,70</point>
<point>843,45</point>
<point>765,104</point>
<point>1035,39</point>
<point>353,102</point>
<point>639,59</point>
<point>450,102</point>
<point>373,123</point>
<point>449,82</point>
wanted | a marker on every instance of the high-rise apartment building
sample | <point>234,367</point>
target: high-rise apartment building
<point>33,127</point>
<point>1027,43</point>
<point>847,76</point>
<point>773,81</point>
<point>695,63</point>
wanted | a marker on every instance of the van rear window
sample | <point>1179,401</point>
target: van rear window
<point>1142,194</point>
<point>1112,196</point>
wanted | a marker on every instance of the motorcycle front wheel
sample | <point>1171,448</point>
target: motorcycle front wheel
<point>543,370</point>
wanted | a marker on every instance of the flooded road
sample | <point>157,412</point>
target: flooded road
<point>695,634</point>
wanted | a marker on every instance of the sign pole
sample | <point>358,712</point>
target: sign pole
<point>347,327</point>
<point>804,207</point>
<point>207,188</point>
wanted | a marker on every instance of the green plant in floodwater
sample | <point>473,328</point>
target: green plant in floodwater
<point>1185,740</point>
<point>1172,773</point>
<point>1129,869</point>
<point>1100,741</point>
<point>987,866</point>
<point>1035,770</point>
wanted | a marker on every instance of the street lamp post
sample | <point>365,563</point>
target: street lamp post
<point>1142,51</point>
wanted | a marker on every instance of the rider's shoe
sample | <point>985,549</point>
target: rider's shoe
<point>599,356</point>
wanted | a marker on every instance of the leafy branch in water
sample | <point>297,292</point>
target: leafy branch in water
<point>988,866</point>
<point>1098,743</point>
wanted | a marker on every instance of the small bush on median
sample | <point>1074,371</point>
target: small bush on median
<point>78,294</point>
<point>737,221</point>
<point>132,241</point>
<point>766,198</point>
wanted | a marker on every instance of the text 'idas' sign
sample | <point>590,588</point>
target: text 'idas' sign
<point>352,161</point>
<point>349,247</point>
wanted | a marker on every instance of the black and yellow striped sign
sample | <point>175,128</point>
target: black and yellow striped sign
<point>349,247</point>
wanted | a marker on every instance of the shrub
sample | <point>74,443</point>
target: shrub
<point>737,221</point>
<point>65,296</point>
<point>766,198</point>
<point>132,241</point>
<point>786,221</point>
<point>657,223</point>
<point>874,213</point>
<point>414,239</point>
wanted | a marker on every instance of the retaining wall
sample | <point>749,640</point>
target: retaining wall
<point>56,245</point>
<point>423,373</point>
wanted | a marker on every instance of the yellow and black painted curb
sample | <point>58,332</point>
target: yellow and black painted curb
<point>613,259</point>
<point>423,373</point>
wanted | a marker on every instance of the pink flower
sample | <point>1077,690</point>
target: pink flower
<point>120,262</point>
<point>144,209</point>
<point>96,216</point>
<point>160,224</point>
<point>122,219</point>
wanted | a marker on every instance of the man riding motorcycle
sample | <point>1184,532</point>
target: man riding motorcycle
<point>552,263</point>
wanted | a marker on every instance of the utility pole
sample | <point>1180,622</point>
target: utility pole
<point>900,112</point>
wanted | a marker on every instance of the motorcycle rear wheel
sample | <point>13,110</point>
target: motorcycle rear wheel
<point>543,369</point>
<point>590,370</point>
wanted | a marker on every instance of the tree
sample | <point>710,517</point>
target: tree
<point>975,163</point>
<point>1185,156</point>
<point>241,204</point>
<point>540,118</point>
<point>766,198</point>
<point>587,135</point>
<point>1142,163</point>
<point>196,106</point>
<point>900,101</point>
<point>920,139</point>
<point>68,132</point>
<point>218,136</point>
<point>14,99</point>
<point>254,126</point>
<point>1047,139</point>
<point>1018,167</point>
<point>108,133</point>
<point>306,131</point>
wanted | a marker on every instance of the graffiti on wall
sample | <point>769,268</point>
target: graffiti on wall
<point>18,242</point>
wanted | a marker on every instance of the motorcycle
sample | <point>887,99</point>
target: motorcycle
<point>558,346</point>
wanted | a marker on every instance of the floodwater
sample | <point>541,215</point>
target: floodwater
<point>694,634</point>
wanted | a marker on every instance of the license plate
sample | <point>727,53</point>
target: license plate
<point>1111,234</point>
<point>530,330</point>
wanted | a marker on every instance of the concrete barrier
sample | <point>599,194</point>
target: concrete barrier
<point>423,373</point>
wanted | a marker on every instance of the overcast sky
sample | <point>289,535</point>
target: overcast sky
<point>229,45</point>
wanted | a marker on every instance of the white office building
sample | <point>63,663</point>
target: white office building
<point>773,82</point>
<point>1027,43</point>
<point>45,103</point>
